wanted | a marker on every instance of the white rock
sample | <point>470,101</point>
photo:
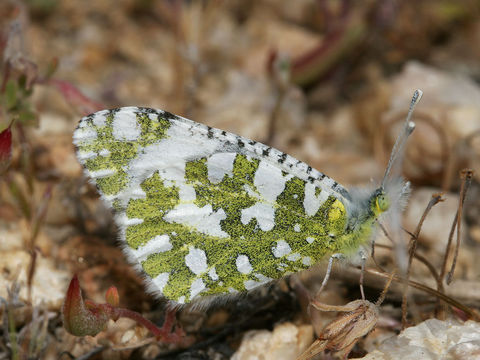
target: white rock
<point>287,341</point>
<point>432,339</point>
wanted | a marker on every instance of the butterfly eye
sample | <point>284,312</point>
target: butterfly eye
<point>382,203</point>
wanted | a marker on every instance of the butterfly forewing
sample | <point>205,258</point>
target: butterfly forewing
<point>203,211</point>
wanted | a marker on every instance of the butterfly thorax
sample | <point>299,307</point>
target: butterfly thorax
<point>363,211</point>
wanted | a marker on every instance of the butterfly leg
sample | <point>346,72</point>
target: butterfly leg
<point>329,270</point>
<point>364,260</point>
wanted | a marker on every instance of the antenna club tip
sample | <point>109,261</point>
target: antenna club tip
<point>417,95</point>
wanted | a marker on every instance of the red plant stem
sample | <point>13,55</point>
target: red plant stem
<point>75,96</point>
<point>339,42</point>
<point>164,333</point>
<point>121,312</point>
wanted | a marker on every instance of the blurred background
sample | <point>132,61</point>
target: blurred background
<point>328,82</point>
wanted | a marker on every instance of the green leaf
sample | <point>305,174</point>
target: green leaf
<point>10,95</point>
<point>27,117</point>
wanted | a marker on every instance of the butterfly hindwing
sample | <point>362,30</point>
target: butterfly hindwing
<point>203,211</point>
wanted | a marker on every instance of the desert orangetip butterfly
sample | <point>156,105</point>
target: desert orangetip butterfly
<point>205,213</point>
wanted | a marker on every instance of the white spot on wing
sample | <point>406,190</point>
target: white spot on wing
<point>243,264</point>
<point>312,203</point>
<point>138,193</point>
<point>264,213</point>
<point>161,280</point>
<point>310,239</point>
<point>250,191</point>
<point>203,219</point>
<point>158,244</point>
<point>213,274</point>
<point>269,181</point>
<point>281,249</point>
<point>196,261</point>
<point>307,260</point>
<point>263,278</point>
<point>252,284</point>
<point>297,228</point>
<point>220,164</point>
<point>82,156</point>
<point>125,126</point>
<point>123,220</point>
<point>293,257</point>
<point>83,134</point>
<point>100,118</point>
<point>186,193</point>
<point>196,288</point>
<point>101,173</point>
<point>104,152</point>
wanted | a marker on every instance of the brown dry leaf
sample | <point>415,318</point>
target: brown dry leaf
<point>342,334</point>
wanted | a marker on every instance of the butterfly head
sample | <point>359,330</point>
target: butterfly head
<point>379,202</point>
<point>391,198</point>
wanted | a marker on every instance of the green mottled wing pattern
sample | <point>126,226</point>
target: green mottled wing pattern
<point>204,212</point>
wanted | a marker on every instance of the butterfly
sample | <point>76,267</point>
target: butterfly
<point>206,214</point>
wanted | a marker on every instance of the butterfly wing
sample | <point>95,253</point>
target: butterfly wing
<point>205,212</point>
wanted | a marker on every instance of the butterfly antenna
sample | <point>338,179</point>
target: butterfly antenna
<point>402,138</point>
